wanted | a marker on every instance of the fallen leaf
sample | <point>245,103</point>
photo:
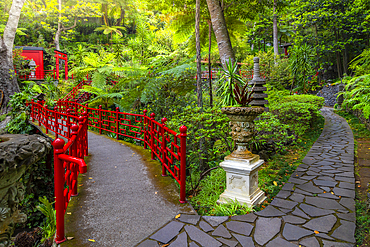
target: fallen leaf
<point>115,167</point>
<point>90,178</point>
<point>165,245</point>
<point>91,240</point>
<point>190,196</point>
<point>155,192</point>
<point>324,191</point>
<point>69,213</point>
<point>275,183</point>
<point>359,186</point>
<point>317,232</point>
<point>70,238</point>
<point>177,216</point>
<point>332,193</point>
<point>80,185</point>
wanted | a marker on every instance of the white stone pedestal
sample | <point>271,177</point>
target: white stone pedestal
<point>242,181</point>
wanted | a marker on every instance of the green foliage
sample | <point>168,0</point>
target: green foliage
<point>50,222</point>
<point>231,208</point>
<point>302,66</point>
<point>280,76</point>
<point>214,131</point>
<point>362,221</point>
<point>19,124</point>
<point>356,94</point>
<point>361,63</point>
<point>272,132</point>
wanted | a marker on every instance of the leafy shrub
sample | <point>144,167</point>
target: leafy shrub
<point>50,222</point>
<point>361,63</point>
<point>357,94</point>
<point>270,131</point>
<point>297,115</point>
<point>280,76</point>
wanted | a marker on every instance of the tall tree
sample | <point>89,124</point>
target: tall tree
<point>8,81</point>
<point>220,29</point>
<point>275,29</point>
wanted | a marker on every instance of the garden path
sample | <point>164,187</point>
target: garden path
<point>315,208</point>
<point>119,203</point>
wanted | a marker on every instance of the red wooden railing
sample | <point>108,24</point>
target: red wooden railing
<point>70,120</point>
<point>76,90</point>
<point>38,75</point>
<point>68,158</point>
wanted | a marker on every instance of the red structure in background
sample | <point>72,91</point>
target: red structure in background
<point>37,55</point>
<point>61,55</point>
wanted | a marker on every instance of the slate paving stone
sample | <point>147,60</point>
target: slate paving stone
<point>310,242</point>
<point>294,220</point>
<point>327,189</point>
<point>279,242</point>
<point>181,241</point>
<point>327,174</point>
<point>349,216</point>
<point>302,192</point>
<point>348,203</point>
<point>324,183</point>
<point>201,237</point>
<point>251,217</point>
<point>324,236</point>
<point>244,241</point>
<point>324,203</point>
<point>190,219</point>
<point>345,232</point>
<point>296,180</point>
<point>344,179</point>
<point>314,211</point>
<point>230,243</point>
<point>205,226</point>
<point>193,244</point>
<point>346,174</point>
<point>283,194</point>
<point>283,203</point>
<point>325,163</point>
<point>308,161</point>
<point>215,220</point>
<point>167,233</point>
<point>297,197</point>
<point>328,195</point>
<point>300,213</point>
<point>346,185</point>
<point>335,244</point>
<point>221,231</point>
<point>148,243</point>
<point>344,192</point>
<point>284,210</point>
<point>308,177</point>
<point>240,227</point>
<point>270,211</point>
<point>309,187</point>
<point>325,178</point>
<point>311,173</point>
<point>321,224</point>
<point>287,186</point>
<point>294,233</point>
<point>266,229</point>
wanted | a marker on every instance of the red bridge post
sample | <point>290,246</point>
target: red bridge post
<point>74,153</point>
<point>100,119</point>
<point>58,145</point>
<point>117,122</point>
<point>146,127</point>
<point>85,137</point>
<point>183,136</point>
<point>152,115</point>
<point>164,157</point>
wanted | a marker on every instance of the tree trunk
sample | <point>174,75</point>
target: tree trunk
<point>220,30</point>
<point>345,60</point>
<point>209,63</point>
<point>338,55</point>
<point>197,44</point>
<point>59,31</point>
<point>8,80</point>
<point>275,31</point>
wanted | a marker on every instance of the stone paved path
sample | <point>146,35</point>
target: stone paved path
<point>123,197</point>
<point>315,208</point>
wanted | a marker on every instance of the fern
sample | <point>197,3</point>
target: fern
<point>50,225</point>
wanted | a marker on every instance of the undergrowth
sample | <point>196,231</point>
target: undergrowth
<point>272,176</point>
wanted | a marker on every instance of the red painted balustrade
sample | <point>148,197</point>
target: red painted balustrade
<point>71,120</point>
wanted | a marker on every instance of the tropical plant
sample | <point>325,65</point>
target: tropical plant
<point>302,66</point>
<point>361,63</point>
<point>50,224</point>
<point>243,96</point>
<point>357,94</point>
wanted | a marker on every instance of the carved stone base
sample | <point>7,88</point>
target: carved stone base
<point>242,181</point>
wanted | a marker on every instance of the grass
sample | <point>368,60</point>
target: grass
<point>362,233</point>
<point>272,176</point>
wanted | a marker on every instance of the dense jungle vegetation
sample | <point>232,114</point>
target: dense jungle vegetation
<point>149,50</point>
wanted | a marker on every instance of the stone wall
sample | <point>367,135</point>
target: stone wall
<point>329,93</point>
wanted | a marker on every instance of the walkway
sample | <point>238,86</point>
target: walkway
<point>316,208</point>
<point>123,197</point>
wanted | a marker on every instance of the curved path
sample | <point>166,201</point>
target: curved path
<point>315,208</point>
<point>122,198</point>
